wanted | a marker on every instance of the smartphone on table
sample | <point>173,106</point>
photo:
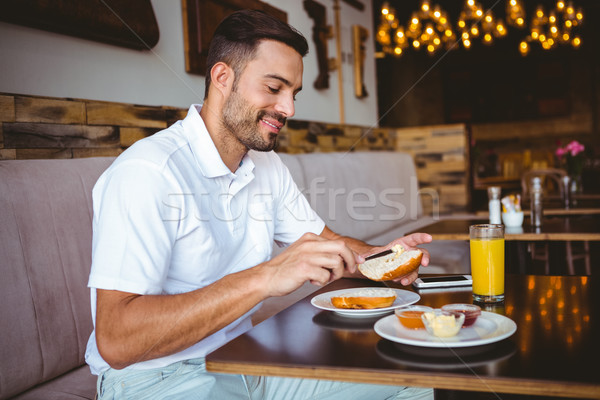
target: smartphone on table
<point>428,282</point>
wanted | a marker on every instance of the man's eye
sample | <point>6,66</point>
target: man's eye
<point>273,90</point>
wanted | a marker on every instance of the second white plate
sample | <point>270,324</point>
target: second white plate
<point>323,301</point>
<point>488,328</point>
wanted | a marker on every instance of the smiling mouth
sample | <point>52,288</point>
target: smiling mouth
<point>274,125</point>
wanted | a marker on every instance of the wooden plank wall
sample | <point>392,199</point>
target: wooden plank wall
<point>42,127</point>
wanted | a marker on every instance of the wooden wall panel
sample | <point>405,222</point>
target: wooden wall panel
<point>175,114</point>
<point>43,127</point>
<point>130,135</point>
<point>44,110</point>
<point>30,135</point>
<point>7,109</point>
<point>125,115</point>
<point>8,154</point>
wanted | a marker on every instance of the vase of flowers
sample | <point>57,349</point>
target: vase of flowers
<point>572,158</point>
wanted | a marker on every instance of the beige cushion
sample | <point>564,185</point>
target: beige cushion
<point>360,194</point>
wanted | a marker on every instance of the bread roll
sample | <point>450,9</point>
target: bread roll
<point>391,266</point>
<point>365,298</point>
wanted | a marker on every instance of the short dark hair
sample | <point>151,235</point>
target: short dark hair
<point>237,37</point>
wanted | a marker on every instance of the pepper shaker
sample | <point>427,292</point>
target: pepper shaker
<point>536,202</point>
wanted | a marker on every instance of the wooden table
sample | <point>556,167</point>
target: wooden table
<point>554,352</point>
<point>562,228</point>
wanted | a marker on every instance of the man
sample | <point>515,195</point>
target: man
<point>183,226</point>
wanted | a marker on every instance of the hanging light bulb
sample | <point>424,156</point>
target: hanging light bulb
<point>400,37</point>
<point>501,29</point>
<point>515,13</point>
<point>524,48</point>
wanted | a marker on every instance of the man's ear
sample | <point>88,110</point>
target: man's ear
<point>222,77</point>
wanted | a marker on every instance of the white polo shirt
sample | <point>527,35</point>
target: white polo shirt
<point>170,217</point>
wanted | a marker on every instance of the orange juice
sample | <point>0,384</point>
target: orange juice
<point>487,266</point>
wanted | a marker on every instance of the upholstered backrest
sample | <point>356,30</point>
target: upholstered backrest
<point>45,257</point>
<point>360,194</point>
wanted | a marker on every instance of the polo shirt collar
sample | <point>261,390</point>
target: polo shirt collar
<point>205,152</point>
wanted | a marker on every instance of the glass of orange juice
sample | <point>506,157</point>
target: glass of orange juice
<point>487,262</point>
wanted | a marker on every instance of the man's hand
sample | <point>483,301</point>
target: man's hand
<point>409,242</point>
<point>311,258</point>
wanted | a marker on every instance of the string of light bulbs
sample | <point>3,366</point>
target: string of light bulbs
<point>429,27</point>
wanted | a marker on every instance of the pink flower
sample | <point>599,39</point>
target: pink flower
<point>573,148</point>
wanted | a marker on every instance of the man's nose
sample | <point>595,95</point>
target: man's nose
<point>285,106</point>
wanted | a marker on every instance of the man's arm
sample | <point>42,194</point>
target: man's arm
<point>363,249</point>
<point>131,328</point>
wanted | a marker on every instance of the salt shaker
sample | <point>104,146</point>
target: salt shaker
<point>536,202</point>
<point>494,204</point>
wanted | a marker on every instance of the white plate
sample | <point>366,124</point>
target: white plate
<point>488,328</point>
<point>403,298</point>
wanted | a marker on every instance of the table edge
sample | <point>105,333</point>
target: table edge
<point>414,379</point>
